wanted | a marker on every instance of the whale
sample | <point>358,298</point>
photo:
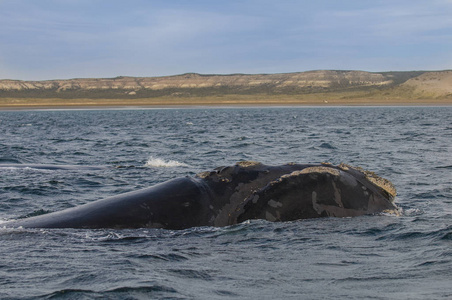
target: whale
<point>234,194</point>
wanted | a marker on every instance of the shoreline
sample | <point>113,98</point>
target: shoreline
<point>216,101</point>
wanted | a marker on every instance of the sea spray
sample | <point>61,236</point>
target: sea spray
<point>155,162</point>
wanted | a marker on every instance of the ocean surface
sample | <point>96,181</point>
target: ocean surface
<point>116,151</point>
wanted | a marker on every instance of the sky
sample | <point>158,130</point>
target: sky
<point>61,39</point>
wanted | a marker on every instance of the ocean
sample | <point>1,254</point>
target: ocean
<point>121,150</point>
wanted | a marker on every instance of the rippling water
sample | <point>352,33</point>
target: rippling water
<point>379,257</point>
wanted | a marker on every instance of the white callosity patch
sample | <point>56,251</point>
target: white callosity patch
<point>337,195</point>
<point>255,199</point>
<point>270,217</point>
<point>274,204</point>
<point>317,207</point>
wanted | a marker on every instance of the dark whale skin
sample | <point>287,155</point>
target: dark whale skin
<point>233,194</point>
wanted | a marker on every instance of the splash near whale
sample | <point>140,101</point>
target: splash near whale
<point>234,194</point>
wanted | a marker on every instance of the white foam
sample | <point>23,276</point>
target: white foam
<point>154,162</point>
<point>12,169</point>
<point>9,168</point>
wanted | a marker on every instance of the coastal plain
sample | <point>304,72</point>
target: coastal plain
<point>312,88</point>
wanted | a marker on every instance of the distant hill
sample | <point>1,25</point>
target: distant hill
<point>329,84</point>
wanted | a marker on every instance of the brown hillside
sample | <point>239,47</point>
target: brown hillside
<point>431,84</point>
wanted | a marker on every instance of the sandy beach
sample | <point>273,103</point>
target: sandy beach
<point>230,100</point>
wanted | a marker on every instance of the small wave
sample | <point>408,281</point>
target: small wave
<point>9,160</point>
<point>155,162</point>
<point>327,146</point>
<point>192,274</point>
<point>447,236</point>
<point>145,292</point>
<point>444,167</point>
<point>165,257</point>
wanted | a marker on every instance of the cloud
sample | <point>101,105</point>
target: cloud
<point>395,23</point>
<point>49,39</point>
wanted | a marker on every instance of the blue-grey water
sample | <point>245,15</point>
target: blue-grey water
<point>373,257</point>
